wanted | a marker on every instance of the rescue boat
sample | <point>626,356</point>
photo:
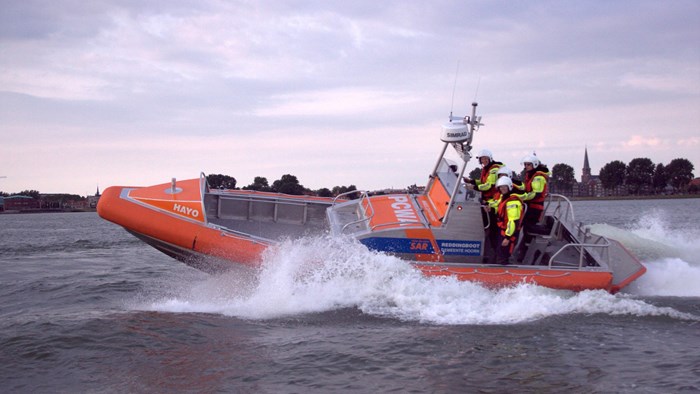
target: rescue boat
<point>440,232</point>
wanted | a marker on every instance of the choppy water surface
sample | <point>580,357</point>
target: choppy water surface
<point>84,306</point>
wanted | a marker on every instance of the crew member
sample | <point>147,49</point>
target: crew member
<point>535,188</point>
<point>486,184</point>
<point>502,172</point>
<point>535,191</point>
<point>509,216</point>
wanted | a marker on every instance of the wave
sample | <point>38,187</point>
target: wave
<point>48,246</point>
<point>315,275</point>
<point>671,255</point>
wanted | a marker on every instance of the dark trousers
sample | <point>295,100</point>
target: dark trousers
<point>532,216</point>
<point>530,221</point>
<point>491,244</point>
<point>503,252</point>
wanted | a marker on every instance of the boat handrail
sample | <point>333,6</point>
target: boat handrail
<point>564,213</point>
<point>225,231</point>
<point>488,217</point>
<point>597,239</point>
<point>582,248</point>
<point>203,189</point>
<point>266,199</point>
<point>402,224</point>
<point>364,196</point>
<point>362,193</point>
<point>568,210</point>
<point>203,182</point>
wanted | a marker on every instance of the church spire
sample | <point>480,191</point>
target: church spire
<point>586,171</point>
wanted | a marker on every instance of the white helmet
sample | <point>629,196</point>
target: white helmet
<point>485,153</point>
<point>530,159</point>
<point>504,181</point>
<point>504,171</point>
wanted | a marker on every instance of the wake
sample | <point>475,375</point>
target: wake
<point>672,257</point>
<point>315,275</point>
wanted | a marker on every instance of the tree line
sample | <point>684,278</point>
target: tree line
<point>639,176</point>
<point>35,194</point>
<point>642,173</point>
<point>29,193</point>
<point>287,184</point>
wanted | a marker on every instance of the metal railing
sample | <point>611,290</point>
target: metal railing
<point>582,247</point>
<point>402,224</point>
<point>276,203</point>
<point>563,212</point>
<point>203,189</point>
<point>364,197</point>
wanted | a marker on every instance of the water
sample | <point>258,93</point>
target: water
<point>85,307</point>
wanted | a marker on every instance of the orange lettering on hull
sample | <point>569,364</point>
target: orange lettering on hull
<point>393,211</point>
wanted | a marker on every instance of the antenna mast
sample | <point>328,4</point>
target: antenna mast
<point>478,83</point>
<point>454,87</point>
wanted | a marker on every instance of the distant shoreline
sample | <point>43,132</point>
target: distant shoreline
<point>604,198</point>
<point>652,197</point>
<point>30,211</point>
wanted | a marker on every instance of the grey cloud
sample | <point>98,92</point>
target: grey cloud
<point>42,20</point>
<point>184,67</point>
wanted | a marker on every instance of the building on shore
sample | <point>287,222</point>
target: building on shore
<point>51,202</point>
<point>590,185</point>
<point>93,200</point>
<point>20,203</point>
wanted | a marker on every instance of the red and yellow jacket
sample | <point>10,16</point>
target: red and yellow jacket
<point>487,183</point>
<point>509,215</point>
<point>536,188</point>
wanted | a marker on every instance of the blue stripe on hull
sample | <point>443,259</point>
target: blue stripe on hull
<point>399,245</point>
<point>423,246</point>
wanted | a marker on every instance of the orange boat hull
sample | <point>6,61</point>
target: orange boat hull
<point>175,224</point>
<point>193,240</point>
<point>499,276</point>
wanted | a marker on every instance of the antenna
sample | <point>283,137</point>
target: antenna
<point>454,87</point>
<point>478,82</point>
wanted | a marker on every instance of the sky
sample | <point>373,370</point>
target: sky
<point>134,93</point>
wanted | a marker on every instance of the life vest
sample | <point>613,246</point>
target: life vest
<point>485,174</point>
<point>495,200</point>
<point>538,201</point>
<point>502,215</point>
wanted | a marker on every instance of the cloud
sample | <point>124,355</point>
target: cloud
<point>676,82</point>
<point>54,84</point>
<point>638,141</point>
<point>336,92</point>
<point>688,142</point>
<point>338,102</point>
